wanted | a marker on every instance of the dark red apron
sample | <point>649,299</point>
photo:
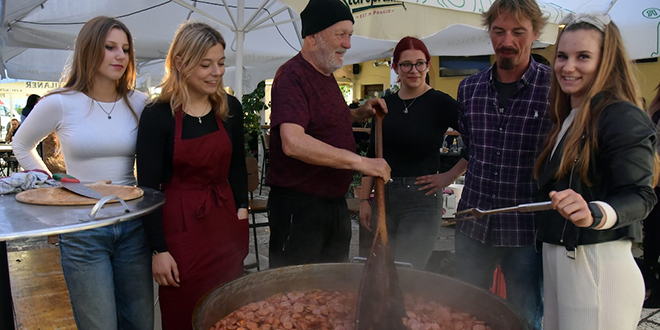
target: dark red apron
<point>201,228</point>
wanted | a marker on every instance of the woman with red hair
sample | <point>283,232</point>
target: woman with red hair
<point>413,131</point>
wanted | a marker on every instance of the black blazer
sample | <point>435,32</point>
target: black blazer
<point>620,171</point>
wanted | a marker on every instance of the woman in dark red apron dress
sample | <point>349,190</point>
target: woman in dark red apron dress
<point>201,228</point>
<point>190,146</point>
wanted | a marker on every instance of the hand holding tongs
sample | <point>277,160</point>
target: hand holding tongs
<point>476,213</point>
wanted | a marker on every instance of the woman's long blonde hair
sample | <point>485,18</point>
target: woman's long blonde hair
<point>614,82</point>
<point>88,54</point>
<point>191,43</point>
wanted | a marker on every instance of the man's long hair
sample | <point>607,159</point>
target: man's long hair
<point>521,9</point>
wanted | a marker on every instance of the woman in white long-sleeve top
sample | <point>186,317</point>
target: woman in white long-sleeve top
<point>95,116</point>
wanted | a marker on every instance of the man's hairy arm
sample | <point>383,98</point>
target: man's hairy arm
<point>299,145</point>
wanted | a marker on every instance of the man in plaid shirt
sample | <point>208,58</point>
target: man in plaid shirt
<point>503,124</point>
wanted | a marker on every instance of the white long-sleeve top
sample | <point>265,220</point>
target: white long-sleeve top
<point>94,147</point>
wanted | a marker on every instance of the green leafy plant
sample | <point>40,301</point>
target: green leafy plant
<point>346,91</point>
<point>357,180</point>
<point>253,103</point>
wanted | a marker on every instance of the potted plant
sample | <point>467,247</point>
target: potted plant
<point>253,103</point>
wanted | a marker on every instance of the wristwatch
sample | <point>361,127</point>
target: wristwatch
<point>597,214</point>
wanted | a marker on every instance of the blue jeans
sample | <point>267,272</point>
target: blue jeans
<point>521,266</point>
<point>108,274</point>
<point>413,221</point>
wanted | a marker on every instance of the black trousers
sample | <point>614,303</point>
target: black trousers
<point>307,229</point>
<point>6,303</point>
<point>651,245</point>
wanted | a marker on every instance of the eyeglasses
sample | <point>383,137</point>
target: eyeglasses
<point>406,67</point>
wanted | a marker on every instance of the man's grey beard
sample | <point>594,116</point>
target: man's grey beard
<point>326,56</point>
<point>330,62</point>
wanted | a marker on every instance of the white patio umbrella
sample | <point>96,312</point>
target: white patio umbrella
<point>260,34</point>
<point>638,20</point>
<point>264,32</point>
<point>445,28</point>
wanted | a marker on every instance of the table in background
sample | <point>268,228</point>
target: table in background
<point>362,129</point>
<point>8,159</point>
<point>361,136</point>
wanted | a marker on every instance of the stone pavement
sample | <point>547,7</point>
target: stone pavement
<point>442,260</point>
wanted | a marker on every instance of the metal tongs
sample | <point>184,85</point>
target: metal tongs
<point>476,213</point>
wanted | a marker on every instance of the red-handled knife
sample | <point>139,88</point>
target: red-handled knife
<point>72,184</point>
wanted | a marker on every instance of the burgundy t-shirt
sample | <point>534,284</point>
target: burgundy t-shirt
<point>301,95</point>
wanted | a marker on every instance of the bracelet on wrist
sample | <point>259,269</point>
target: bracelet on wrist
<point>365,200</point>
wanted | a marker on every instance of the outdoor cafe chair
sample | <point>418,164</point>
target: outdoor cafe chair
<point>255,206</point>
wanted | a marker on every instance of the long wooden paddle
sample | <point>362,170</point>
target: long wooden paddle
<point>380,301</point>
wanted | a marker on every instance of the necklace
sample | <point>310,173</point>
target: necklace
<point>199,118</point>
<point>406,106</point>
<point>106,112</point>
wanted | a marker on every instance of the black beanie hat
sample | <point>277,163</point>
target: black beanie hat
<point>320,14</point>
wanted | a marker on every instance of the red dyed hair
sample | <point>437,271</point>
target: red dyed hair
<point>408,43</point>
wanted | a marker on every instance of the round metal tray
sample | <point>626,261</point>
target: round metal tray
<point>19,220</point>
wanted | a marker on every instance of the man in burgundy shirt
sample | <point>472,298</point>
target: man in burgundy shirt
<point>312,154</point>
